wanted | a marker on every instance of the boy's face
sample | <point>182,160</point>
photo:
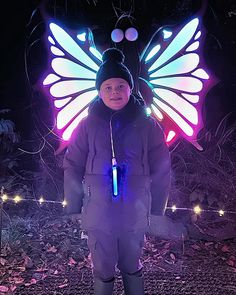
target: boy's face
<point>115,93</point>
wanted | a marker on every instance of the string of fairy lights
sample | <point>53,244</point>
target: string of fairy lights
<point>196,209</point>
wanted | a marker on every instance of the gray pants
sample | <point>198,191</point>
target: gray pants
<point>122,249</point>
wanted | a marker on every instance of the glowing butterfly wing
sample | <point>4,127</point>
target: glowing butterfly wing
<point>178,80</point>
<point>71,77</point>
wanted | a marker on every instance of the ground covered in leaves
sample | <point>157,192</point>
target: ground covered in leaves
<point>46,253</point>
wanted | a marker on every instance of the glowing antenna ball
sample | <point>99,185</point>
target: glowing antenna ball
<point>131,34</point>
<point>117,35</point>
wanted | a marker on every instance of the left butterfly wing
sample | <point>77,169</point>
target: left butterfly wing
<point>71,78</point>
<point>175,73</point>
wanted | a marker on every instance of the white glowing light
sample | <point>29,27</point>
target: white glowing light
<point>197,35</point>
<point>154,50</point>
<point>221,212</point>
<point>82,37</point>
<point>148,111</point>
<point>166,34</point>
<point>187,129</point>
<point>181,65</point>
<point>57,51</point>
<point>191,97</point>
<point>68,44</point>
<point>183,37</point>
<point>157,112</point>
<point>170,136</point>
<point>197,209</point>
<point>70,69</point>
<point>179,104</point>
<point>17,199</point>
<point>50,39</point>
<point>173,208</point>
<point>188,84</point>
<point>65,88</point>
<point>59,103</point>
<point>41,200</point>
<point>193,46</point>
<point>131,34</point>
<point>200,73</point>
<point>117,35</point>
<point>95,52</point>
<point>72,109</point>
<point>4,197</point>
<point>64,203</point>
<point>68,132</point>
<point>51,78</point>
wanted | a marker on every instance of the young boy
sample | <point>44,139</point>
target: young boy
<point>117,173</point>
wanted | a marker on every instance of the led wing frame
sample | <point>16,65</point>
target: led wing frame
<point>179,83</point>
<point>71,77</point>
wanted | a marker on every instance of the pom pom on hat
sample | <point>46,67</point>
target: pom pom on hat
<point>113,54</point>
<point>113,67</point>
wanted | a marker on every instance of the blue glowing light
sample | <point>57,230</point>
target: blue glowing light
<point>114,177</point>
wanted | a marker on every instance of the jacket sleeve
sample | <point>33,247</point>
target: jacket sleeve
<point>74,165</point>
<point>159,163</point>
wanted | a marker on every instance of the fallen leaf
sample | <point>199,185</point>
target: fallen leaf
<point>195,247</point>
<point>2,261</point>
<point>21,268</point>
<point>18,280</point>
<point>63,286</point>
<point>209,244</point>
<point>230,262</point>
<point>52,249</point>
<point>172,256</point>
<point>71,262</point>
<point>32,282</point>
<point>225,248</point>
<point>4,289</point>
<point>12,288</point>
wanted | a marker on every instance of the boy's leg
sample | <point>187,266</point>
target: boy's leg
<point>103,249</point>
<point>130,246</point>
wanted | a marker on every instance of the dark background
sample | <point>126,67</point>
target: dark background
<point>24,57</point>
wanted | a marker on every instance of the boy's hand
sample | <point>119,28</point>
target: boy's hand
<point>165,228</point>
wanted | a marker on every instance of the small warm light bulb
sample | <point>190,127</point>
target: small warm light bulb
<point>64,203</point>
<point>221,212</point>
<point>4,198</point>
<point>41,200</point>
<point>197,209</point>
<point>17,199</point>
<point>173,208</point>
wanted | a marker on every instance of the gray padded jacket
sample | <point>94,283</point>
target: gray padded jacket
<point>143,160</point>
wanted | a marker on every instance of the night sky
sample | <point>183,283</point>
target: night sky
<point>24,58</point>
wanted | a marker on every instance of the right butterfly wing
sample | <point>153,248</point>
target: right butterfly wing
<point>178,81</point>
<point>71,78</point>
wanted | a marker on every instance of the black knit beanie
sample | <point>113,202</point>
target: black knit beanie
<point>113,67</point>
